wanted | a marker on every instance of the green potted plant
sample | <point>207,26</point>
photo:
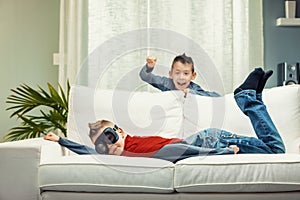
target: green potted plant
<point>39,111</point>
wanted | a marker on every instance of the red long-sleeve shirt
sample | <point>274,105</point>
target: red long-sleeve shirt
<point>145,146</point>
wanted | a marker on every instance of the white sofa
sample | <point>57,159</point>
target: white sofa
<point>38,169</point>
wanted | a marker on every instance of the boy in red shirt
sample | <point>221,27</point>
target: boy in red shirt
<point>111,139</point>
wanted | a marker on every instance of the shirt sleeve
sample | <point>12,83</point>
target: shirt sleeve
<point>75,147</point>
<point>160,82</point>
<point>196,89</point>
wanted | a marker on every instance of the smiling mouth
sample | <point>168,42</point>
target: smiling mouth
<point>181,84</point>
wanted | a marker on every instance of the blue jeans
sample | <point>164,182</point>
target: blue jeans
<point>215,141</point>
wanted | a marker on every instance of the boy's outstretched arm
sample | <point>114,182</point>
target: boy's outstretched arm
<point>73,146</point>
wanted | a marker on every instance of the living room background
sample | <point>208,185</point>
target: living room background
<point>30,36</point>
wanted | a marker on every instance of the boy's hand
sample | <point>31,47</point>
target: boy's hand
<point>151,61</point>
<point>186,91</point>
<point>52,137</point>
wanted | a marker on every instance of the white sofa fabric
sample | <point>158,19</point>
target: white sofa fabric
<point>107,174</point>
<point>169,114</point>
<point>238,173</point>
<point>55,175</point>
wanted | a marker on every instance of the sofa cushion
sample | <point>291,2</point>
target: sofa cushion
<point>106,173</point>
<point>138,113</point>
<point>282,103</point>
<point>238,173</point>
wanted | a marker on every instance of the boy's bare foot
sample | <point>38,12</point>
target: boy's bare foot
<point>235,148</point>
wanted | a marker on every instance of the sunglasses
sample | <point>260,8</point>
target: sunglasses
<point>108,136</point>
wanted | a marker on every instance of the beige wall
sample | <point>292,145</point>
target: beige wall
<point>29,35</point>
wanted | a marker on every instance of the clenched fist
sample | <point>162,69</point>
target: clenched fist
<point>52,137</point>
<point>151,61</point>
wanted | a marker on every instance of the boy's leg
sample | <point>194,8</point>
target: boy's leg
<point>179,151</point>
<point>256,110</point>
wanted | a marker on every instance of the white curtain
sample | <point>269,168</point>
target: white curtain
<point>72,39</point>
<point>104,43</point>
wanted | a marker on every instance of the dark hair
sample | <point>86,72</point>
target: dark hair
<point>96,126</point>
<point>184,59</point>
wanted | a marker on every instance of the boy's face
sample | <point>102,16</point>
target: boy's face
<point>182,75</point>
<point>116,148</point>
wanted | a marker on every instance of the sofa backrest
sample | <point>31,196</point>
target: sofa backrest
<point>169,114</point>
<point>138,113</point>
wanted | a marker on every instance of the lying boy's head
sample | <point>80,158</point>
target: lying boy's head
<point>107,137</point>
<point>182,71</point>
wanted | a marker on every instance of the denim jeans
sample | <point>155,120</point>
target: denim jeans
<point>215,141</point>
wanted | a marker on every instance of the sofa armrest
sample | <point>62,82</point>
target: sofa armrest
<point>51,151</point>
<point>19,166</point>
<point>19,169</point>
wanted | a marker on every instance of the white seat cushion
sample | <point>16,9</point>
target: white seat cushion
<point>238,173</point>
<point>103,173</point>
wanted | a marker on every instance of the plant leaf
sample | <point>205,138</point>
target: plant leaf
<point>52,110</point>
